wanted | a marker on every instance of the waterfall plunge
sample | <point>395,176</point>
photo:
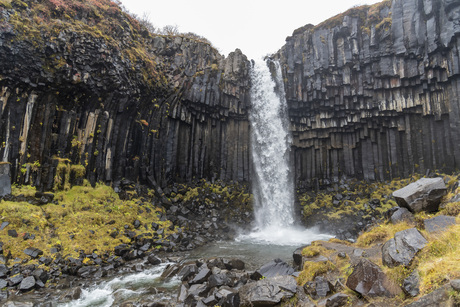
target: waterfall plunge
<point>270,139</point>
<point>273,187</point>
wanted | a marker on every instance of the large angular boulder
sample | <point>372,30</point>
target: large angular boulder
<point>423,195</point>
<point>369,280</point>
<point>439,223</point>
<point>401,249</point>
<point>268,291</point>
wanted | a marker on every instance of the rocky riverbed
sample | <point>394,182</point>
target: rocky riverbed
<point>322,273</point>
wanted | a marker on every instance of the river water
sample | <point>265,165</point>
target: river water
<point>275,234</point>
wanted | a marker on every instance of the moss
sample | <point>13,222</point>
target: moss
<point>380,233</point>
<point>6,4</point>
<point>439,261</point>
<point>313,269</point>
<point>68,225</point>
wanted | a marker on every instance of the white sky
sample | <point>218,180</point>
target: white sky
<point>254,26</point>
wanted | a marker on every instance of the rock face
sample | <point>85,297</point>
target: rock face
<point>122,104</point>
<point>401,249</point>
<point>374,92</point>
<point>423,195</point>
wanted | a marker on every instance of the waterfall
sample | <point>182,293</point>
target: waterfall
<point>270,138</point>
<point>273,186</point>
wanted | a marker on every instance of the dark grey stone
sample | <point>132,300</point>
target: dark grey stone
<point>337,300</point>
<point>423,195</point>
<point>27,283</point>
<point>402,215</point>
<point>411,284</point>
<point>33,252</point>
<point>3,270</point>
<point>438,297</point>
<point>202,275</point>
<point>3,283</point>
<point>439,223</point>
<point>369,280</point>
<point>455,284</point>
<point>276,267</point>
<point>401,249</point>
<point>268,291</point>
<point>15,280</point>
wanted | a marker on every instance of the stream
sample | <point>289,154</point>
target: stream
<point>255,249</point>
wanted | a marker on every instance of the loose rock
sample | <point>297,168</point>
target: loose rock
<point>401,249</point>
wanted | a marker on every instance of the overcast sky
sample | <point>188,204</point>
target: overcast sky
<point>254,26</point>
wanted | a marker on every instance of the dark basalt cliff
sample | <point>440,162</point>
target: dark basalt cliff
<point>374,93</point>
<point>87,91</point>
<point>80,91</point>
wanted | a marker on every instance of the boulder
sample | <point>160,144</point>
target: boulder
<point>217,280</point>
<point>411,284</point>
<point>401,249</point>
<point>439,223</point>
<point>455,284</point>
<point>439,297</point>
<point>337,300</point>
<point>33,252</point>
<point>15,280</point>
<point>268,292</point>
<point>153,260</point>
<point>402,215</point>
<point>3,283</point>
<point>276,267</point>
<point>13,233</point>
<point>318,288</point>
<point>3,270</point>
<point>202,276</point>
<point>234,264</point>
<point>369,280</point>
<point>297,256</point>
<point>27,283</point>
<point>423,195</point>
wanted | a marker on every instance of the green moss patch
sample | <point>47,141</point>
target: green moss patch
<point>85,219</point>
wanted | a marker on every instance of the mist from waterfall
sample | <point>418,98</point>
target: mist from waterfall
<point>273,186</point>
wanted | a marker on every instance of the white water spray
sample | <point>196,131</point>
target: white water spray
<point>273,186</point>
<point>270,139</point>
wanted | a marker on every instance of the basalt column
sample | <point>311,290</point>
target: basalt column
<point>374,92</point>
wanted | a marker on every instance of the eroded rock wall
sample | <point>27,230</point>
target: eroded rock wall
<point>170,110</point>
<point>374,93</point>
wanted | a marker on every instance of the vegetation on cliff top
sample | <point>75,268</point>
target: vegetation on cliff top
<point>369,15</point>
<point>43,23</point>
